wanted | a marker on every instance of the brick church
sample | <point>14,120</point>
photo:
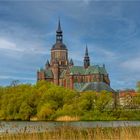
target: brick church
<point>62,71</point>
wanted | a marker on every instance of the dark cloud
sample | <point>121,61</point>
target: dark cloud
<point>110,28</point>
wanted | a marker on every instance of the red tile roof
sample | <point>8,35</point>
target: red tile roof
<point>124,93</point>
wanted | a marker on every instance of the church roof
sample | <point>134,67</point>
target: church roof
<point>77,70</point>
<point>59,46</point>
<point>96,69</point>
<point>48,73</point>
<point>96,86</point>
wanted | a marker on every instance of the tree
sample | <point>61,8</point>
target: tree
<point>136,101</point>
<point>25,111</point>
<point>14,83</point>
<point>87,100</point>
<point>138,86</point>
<point>45,111</point>
<point>104,101</point>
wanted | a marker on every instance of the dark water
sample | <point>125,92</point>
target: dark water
<point>26,126</point>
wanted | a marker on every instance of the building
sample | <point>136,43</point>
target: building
<point>126,98</point>
<point>62,71</point>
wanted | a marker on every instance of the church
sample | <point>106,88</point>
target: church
<point>62,71</point>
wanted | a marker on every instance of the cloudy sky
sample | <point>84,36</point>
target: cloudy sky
<point>111,29</point>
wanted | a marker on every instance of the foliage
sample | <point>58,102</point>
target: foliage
<point>138,86</point>
<point>46,101</point>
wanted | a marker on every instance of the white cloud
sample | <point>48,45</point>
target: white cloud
<point>23,47</point>
<point>102,51</point>
<point>132,64</point>
<point>106,53</point>
<point>8,45</point>
<point>2,77</point>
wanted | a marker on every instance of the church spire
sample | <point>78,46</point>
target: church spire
<point>86,52</point>
<point>47,65</point>
<point>71,62</point>
<point>59,35</point>
<point>59,26</point>
<point>86,58</point>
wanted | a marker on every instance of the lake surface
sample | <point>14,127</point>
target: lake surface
<point>41,126</point>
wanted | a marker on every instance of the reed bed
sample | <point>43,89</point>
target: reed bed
<point>73,133</point>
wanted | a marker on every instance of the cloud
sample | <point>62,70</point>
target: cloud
<point>3,77</point>
<point>132,65</point>
<point>22,47</point>
<point>109,55</point>
<point>110,29</point>
<point>8,45</point>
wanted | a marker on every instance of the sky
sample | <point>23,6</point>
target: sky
<point>110,28</point>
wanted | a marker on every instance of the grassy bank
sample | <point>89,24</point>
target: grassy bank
<point>70,133</point>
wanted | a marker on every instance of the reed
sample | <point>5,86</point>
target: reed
<point>72,133</point>
<point>68,118</point>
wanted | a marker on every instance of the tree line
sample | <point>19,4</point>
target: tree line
<point>46,101</point>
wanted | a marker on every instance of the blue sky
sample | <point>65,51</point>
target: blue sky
<point>111,29</point>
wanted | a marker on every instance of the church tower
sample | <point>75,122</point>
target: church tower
<point>59,55</point>
<point>63,72</point>
<point>59,52</point>
<point>86,59</point>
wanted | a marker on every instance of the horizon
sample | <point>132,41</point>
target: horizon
<point>109,28</point>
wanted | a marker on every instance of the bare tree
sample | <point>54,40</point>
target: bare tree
<point>14,83</point>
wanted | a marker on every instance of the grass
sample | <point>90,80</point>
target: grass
<point>68,118</point>
<point>72,133</point>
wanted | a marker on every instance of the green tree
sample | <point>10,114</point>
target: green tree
<point>104,101</point>
<point>87,100</point>
<point>25,111</point>
<point>46,111</point>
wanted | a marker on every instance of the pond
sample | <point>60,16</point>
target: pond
<point>41,126</point>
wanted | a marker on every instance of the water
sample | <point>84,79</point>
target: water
<point>41,126</point>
